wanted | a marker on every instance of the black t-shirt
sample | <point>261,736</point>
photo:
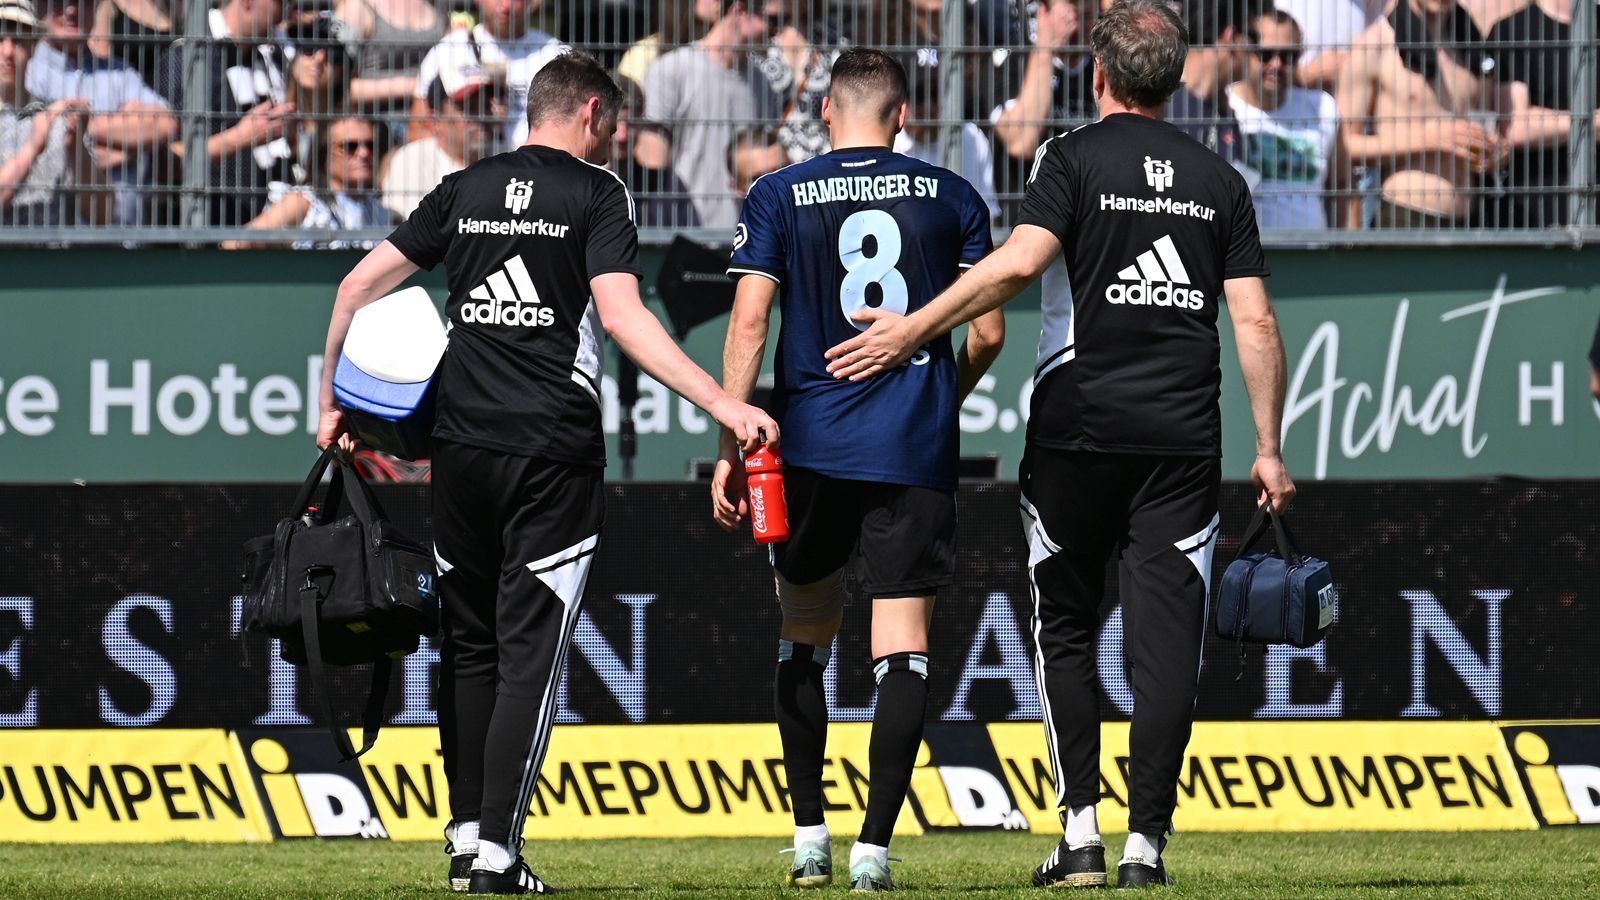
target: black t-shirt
<point>1072,104</point>
<point>1530,47</point>
<point>1209,123</point>
<point>520,235</point>
<point>1150,224</point>
<point>242,78</point>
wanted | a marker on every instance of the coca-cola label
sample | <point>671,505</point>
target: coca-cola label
<point>758,509</point>
<point>753,460</point>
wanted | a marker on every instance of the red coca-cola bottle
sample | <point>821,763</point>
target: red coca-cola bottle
<point>769,514</point>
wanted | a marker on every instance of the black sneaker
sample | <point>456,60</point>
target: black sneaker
<point>1066,867</point>
<point>1137,873</point>
<point>461,865</point>
<point>519,879</point>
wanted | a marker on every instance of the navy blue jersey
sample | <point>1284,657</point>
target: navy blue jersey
<point>852,229</point>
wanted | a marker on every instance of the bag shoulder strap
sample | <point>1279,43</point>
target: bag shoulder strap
<point>377,693</point>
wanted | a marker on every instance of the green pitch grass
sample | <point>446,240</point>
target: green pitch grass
<point>1548,864</point>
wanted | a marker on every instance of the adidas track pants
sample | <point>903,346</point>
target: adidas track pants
<point>513,537</point>
<point>1158,516</point>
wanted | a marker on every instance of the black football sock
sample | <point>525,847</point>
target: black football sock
<point>896,738</point>
<point>802,711</point>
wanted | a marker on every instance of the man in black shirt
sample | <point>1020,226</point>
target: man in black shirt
<point>1532,49</point>
<point>248,116</point>
<point>542,253</point>
<point>1221,31</point>
<point>1138,232</point>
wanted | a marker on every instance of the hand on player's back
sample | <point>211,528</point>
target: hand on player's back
<point>887,342</point>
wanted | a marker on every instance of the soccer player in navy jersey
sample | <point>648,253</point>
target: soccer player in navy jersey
<point>871,466</point>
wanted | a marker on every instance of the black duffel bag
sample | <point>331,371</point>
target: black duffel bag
<point>340,591</point>
<point>1275,598</point>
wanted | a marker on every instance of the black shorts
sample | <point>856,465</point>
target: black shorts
<point>904,535</point>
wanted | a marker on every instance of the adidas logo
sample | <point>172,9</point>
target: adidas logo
<point>1157,272</point>
<point>509,298</point>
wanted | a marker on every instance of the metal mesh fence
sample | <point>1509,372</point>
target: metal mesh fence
<point>253,123</point>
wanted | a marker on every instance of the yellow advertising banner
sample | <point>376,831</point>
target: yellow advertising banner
<point>1300,776</point>
<point>132,785</point>
<point>729,780</point>
<point>634,781</point>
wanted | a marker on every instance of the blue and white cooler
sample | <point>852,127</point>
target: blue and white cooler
<point>384,380</point>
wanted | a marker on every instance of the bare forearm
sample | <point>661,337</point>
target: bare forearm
<point>14,171</point>
<point>377,90</point>
<point>640,335</point>
<point>970,370</point>
<point>378,273</point>
<point>1540,128</point>
<point>741,355</point>
<point>1261,360</point>
<point>1020,127</point>
<point>746,341</point>
<point>224,143</point>
<point>344,309</point>
<point>133,129</point>
<point>1322,72</point>
<point>1391,142</point>
<point>985,336</point>
<point>985,287</point>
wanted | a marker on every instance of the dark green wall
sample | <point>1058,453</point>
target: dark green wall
<point>1404,365</point>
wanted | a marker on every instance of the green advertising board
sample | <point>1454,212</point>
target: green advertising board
<point>201,365</point>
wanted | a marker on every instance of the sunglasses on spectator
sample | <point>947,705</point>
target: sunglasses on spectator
<point>1289,56</point>
<point>353,146</point>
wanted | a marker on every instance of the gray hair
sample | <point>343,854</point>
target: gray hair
<point>1140,45</point>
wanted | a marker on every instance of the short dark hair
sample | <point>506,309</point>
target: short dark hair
<point>1281,17</point>
<point>862,75</point>
<point>566,83</point>
<point>1208,19</point>
<point>1140,45</point>
<point>752,136</point>
<point>632,95</point>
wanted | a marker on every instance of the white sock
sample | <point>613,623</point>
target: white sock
<point>1142,848</point>
<point>810,834</point>
<point>464,835</point>
<point>498,857</point>
<point>1082,827</point>
<point>861,851</point>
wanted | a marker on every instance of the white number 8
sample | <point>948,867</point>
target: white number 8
<point>862,270</point>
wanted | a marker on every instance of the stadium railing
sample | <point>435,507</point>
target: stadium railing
<point>1477,146</point>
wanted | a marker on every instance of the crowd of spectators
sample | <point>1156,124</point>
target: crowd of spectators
<point>339,115</point>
